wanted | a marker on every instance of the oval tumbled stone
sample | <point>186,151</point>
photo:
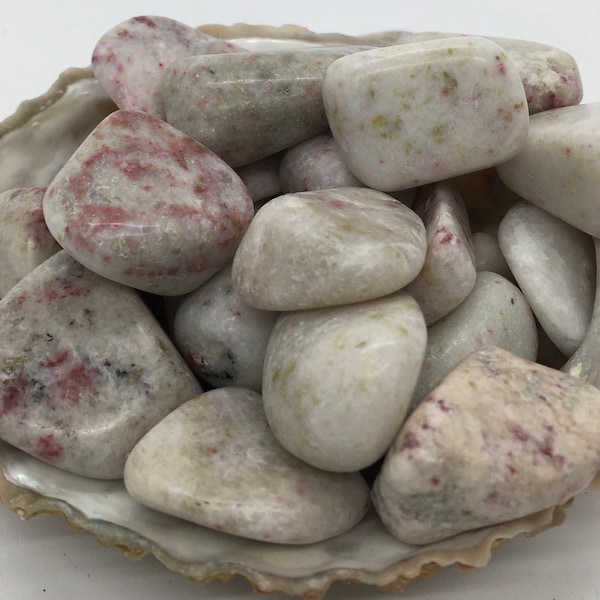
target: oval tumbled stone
<point>143,204</point>
<point>500,438</point>
<point>337,382</point>
<point>215,462</point>
<point>418,113</point>
<point>327,248</point>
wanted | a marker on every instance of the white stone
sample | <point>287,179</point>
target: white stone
<point>417,113</point>
<point>327,248</point>
<point>338,381</point>
<point>554,265</point>
<point>215,462</point>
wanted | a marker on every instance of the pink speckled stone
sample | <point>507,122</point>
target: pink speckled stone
<point>448,275</point>
<point>215,462</point>
<point>85,370</point>
<point>144,205</point>
<point>417,113</point>
<point>500,438</point>
<point>130,59</point>
<point>26,241</point>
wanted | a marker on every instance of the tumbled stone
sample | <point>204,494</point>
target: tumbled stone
<point>315,164</point>
<point>261,177</point>
<point>495,313</point>
<point>215,462</point>
<point>26,241</point>
<point>85,370</point>
<point>131,58</point>
<point>328,247</point>
<point>247,106</point>
<point>145,205</point>
<point>554,265</point>
<point>498,439</point>
<point>221,338</point>
<point>488,256</point>
<point>584,363</point>
<point>550,76</point>
<point>558,169</point>
<point>448,274</point>
<point>417,113</point>
<point>338,381</point>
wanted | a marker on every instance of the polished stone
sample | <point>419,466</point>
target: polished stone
<point>326,248</point>
<point>145,205</point>
<point>494,314</point>
<point>558,169</point>
<point>448,275</point>
<point>315,164</point>
<point>85,370</point>
<point>499,438</point>
<point>26,241</point>
<point>222,339</point>
<point>554,265</point>
<point>131,58</point>
<point>215,462</point>
<point>417,113</point>
<point>245,106</point>
<point>338,381</point>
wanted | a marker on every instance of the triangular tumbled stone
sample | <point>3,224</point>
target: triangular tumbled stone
<point>214,461</point>
<point>85,370</point>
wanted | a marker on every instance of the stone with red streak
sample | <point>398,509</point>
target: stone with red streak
<point>85,370</point>
<point>131,58</point>
<point>143,204</point>
<point>448,275</point>
<point>499,438</point>
<point>26,241</point>
<point>215,462</point>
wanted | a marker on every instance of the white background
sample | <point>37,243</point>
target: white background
<point>43,559</point>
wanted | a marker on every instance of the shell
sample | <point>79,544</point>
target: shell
<point>367,554</point>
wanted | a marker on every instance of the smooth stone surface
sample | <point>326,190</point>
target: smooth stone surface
<point>143,204</point>
<point>418,113</point>
<point>554,265</point>
<point>262,177</point>
<point>549,75</point>
<point>495,313</point>
<point>327,248</point>
<point>85,370</point>
<point>32,153</point>
<point>448,274</point>
<point>315,164</point>
<point>499,438</point>
<point>338,382</point>
<point>271,98</point>
<point>558,170</point>
<point>131,58</point>
<point>584,363</point>
<point>26,241</point>
<point>215,462</point>
<point>221,338</point>
<point>488,256</point>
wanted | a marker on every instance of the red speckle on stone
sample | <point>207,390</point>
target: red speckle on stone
<point>466,513</point>
<point>434,481</point>
<point>549,428</point>
<point>500,67</point>
<point>478,341</point>
<point>78,381</point>
<point>218,527</point>
<point>426,426</point>
<point>410,441</point>
<point>133,170</point>
<point>67,290</point>
<point>381,161</point>
<point>36,231</point>
<point>58,360</point>
<point>490,332</point>
<point>548,451</point>
<point>519,433</point>
<point>21,299</point>
<point>542,398</point>
<point>48,449</point>
<point>213,451</point>
<point>441,404</point>
<point>568,151</point>
<point>511,470</point>
<point>14,395</point>
<point>146,21</point>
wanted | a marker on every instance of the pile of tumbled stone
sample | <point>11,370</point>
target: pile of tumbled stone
<point>354,317</point>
